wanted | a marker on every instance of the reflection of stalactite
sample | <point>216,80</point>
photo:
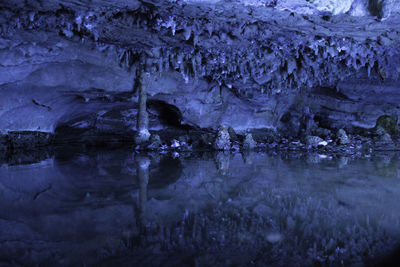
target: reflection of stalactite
<point>143,178</point>
<point>222,160</point>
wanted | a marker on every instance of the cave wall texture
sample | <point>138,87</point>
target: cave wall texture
<point>245,64</point>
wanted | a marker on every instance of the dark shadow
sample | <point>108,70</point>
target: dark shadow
<point>169,115</point>
<point>167,171</point>
<point>375,7</point>
<point>393,260</point>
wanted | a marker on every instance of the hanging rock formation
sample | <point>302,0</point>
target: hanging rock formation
<point>68,67</point>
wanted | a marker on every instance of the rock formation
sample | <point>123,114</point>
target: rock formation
<point>68,67</point>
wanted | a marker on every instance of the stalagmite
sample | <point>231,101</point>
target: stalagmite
<point>187,32</point>
<point>142,134</point>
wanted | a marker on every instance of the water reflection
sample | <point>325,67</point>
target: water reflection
<point>143,164</point>
<point>222,160</point>
<point>117,207</point>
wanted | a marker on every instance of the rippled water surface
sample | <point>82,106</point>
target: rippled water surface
<point>124,208</point>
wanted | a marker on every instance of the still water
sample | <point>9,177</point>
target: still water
<point>113,208</point>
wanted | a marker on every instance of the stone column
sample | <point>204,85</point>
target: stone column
<point>142,134</point>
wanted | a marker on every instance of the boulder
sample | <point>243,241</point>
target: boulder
<point>222,140</point>
<point>386,138</point>
<point>388,123</point>
<point>314,141</point>
<point>342,137</point>
<point>249,142</point>
<point>379,131</point>
<point>155,142</point>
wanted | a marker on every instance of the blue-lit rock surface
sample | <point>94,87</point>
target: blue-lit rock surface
<point>239,63</point>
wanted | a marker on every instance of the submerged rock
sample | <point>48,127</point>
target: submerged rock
<point>222,141</point>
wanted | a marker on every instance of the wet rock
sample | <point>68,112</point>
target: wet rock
<point>235,146</point>
<point>142,136</point>
<point>379,131</point>
<point>3,143</point>
<point>290,124</point>
<point>386,138</point>
<point>184,139</point>
<point>385,143</point>
<point>265,135</point>
<point>342,137</point>
<point>388,123</point>
<point>29,140</point>
<point>155,142</point>
<point>222,141</point>
<point>249,142</point>
<point>232,134</point>
<point>206,140</point>
<point>314,141</point>
<point>323,132</point>
<point>366,147</point>
<point>175,144</point>
<point>381,135</point>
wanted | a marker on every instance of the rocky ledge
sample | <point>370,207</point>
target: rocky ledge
<point>385,136</point>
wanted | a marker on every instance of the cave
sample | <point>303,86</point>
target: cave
<point>200,132</point>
